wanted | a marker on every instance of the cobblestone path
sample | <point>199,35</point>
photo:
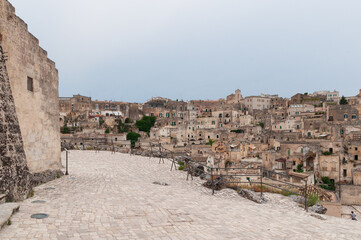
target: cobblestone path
<point>112,196</point>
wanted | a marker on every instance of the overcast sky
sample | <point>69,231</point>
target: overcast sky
<point>131,50</point>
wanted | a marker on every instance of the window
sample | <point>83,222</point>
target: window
<point>345,116</point>
<point>356,157</point>
<point>345,173</point>
<point>167,115</point>
<point>30,84</point>
<point>356,148</point>
<point>160,114</point>
<point>353,117</point>
<point>330,150</point>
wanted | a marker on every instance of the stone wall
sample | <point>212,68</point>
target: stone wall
<point>351,194</point>
<point>38,110</point>
<point>14,173</point>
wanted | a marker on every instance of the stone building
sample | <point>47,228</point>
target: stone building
<point>342,113</point>
<point>235,97</point>
<point>257,102</point>
<point>34,84</point>
<point>308,99</point>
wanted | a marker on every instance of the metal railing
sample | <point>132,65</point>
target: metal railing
<point>232,175</point>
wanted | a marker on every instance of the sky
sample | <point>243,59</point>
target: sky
<point>133,50</point>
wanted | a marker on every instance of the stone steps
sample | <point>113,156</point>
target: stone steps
<point>6,211</point>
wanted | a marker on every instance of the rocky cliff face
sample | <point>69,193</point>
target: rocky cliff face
<point>15,179</point>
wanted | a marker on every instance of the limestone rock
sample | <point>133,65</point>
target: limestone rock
<point>6,211</point>
<point>15,178</point>
<point>318,208</point>
<point>297,199</point>
<point>317,216</point>
<point>251,195</point>
<point>219,183</point>
<point>161,183</point>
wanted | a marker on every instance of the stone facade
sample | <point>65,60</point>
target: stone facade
<point>34,83</point>
<point>14,173</point>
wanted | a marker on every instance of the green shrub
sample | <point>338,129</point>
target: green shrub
<point>65,129</point>
<point>312,200</point>
<point>180,163</point>
<point>327,153</point>
<point>101,121</point>
<point>210,142</point>
<point>181,167</point>
<point>107,131</point>
<point>300,168</point>
<point>286,193</point>
<point>228,164</point>
<point>326,180</point>
<point>128,120</point>
<point>328,184</point>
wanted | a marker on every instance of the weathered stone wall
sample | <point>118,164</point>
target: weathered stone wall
<point>351,194</point>
<point>38,110</point>
<point>14,173</point>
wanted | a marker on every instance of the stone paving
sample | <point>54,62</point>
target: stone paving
<point>112,196</point>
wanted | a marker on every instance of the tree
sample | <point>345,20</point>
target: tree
<point>145,124</point>
<point>343,101</point>
<point>261,124</point>
<point>133,137</point>
<point>107,131</point>
<point>128,120</point>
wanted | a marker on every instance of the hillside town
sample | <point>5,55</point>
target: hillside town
<point>313,135</point>
<point>76,167</point>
